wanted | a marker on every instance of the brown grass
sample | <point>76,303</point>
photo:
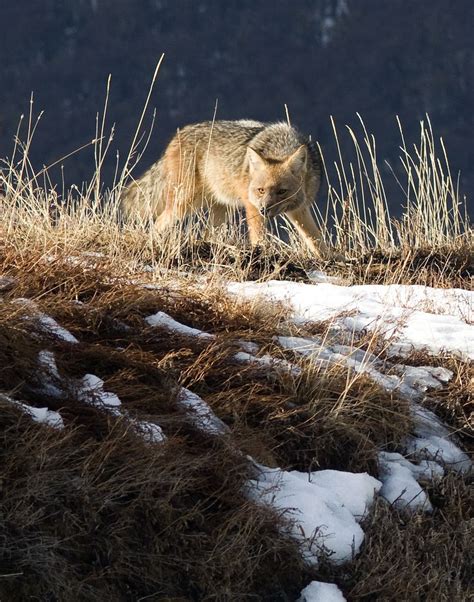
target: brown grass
<point>93,512</point>
<point>420,557</point>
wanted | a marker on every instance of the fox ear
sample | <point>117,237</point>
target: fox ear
<point>297,161</point>
<point>256,161</point>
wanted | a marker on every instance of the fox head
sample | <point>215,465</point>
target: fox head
<point>277,186</point>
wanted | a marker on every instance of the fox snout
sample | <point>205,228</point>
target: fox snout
<point>270,209</point>
<point>272,205</point>
<point>266,207</point>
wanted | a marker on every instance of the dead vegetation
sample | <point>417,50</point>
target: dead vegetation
<point>418,557</point>
<point>95,512</point>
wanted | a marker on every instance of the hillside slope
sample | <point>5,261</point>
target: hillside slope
<point>172,435</point>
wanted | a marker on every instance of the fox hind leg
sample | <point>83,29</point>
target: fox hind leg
<point>183,191</point>
<point>218,215</point>
<point>174,211</point>
<point>181,202</point>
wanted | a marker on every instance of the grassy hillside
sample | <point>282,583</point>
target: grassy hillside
<point>110,507</point>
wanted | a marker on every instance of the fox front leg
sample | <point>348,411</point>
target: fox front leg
<point>255,223</point>
<point>304,223</point>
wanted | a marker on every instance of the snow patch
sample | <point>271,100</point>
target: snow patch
<point>323,511</point>
<point>46,323</point>
<point>317,277</point>
<point>248,346</point>
<point>267,361</point>
<point>411,316</point>
<point>91,391</point>
<point>355,490</point>
<point>41,415</point>
<point>51,378</point>
<point>317,591</point>
<point>432,440</point>
<point>163,320</point>
<point>149,431</point>
<point>411,382</point>
<point>200,413</point>
<point>400,481</point>
<point>50,325</point>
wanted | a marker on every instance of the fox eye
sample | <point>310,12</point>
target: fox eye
<point>282,191</point>
<point>260,190</point>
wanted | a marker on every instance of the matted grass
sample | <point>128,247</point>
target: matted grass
<point>415,557</point>
<point>93,511</point>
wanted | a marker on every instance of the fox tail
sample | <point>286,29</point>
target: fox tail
<point>144,199</point>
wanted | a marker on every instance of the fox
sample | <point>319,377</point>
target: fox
<point>268,169</point>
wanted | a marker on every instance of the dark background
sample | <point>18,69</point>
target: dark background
<point>320,57</point>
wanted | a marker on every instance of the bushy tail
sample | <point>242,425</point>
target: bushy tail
<point>144,199</point>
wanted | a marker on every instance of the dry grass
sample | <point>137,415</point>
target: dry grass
<point>443,267</point>
<point>93,512</point>
<point>431,243</point>
<point>416,557</point>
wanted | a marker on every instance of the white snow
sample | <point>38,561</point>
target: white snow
<point>50,384</point>
<point>91,391</point>
<point>248,346</point>
<point>149,431</point>
<point>323,508</point>
<point>424,377</point>
<point>355,490</point>
<point>46,323</point>
<point>411,382</point>
<point>41,415</point>
<point>430,440</point>
<point>44,415</point>
<point>425,470</point>
<point>317,276</point>
<point>400,481</point>
<point>441,449</point>
<point>268,361</point>
<point>433,440</point>
<point>317,591</point>
<point>413,317</point>
<point>200,413</point>
<point>47,361</point>
<point>410,318</point>
<point>163,320</point>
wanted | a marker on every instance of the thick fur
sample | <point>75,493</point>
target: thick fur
<point>269,169</point>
